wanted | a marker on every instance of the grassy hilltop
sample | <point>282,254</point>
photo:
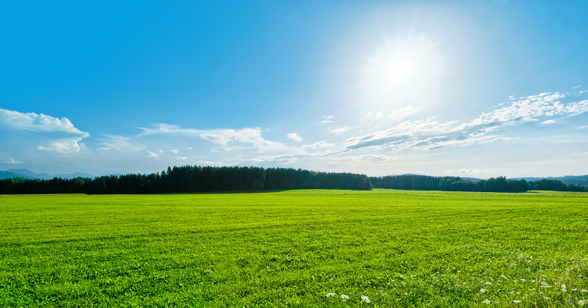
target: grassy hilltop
<point>295,248</point>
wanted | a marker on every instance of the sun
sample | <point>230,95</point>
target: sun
<point>400,70</point>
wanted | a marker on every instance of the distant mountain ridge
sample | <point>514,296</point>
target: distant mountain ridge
<point>24,173</point>
<point>568,179</point>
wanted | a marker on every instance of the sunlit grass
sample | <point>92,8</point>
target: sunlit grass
<point>383,248</point>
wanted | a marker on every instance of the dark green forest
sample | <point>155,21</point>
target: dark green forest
<point>448,183</point>
<point>192,179</point>
<point>188,179</point>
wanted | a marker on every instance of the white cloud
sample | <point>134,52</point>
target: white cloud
<point>295,137</point>
<point>511,98</point>
<point>219,136</point>
<point>12,161</point>
<point>318,145</point>
<point>576,87</point>
<point>365,158</point>
<point>214,150</point>
<point>175,151</point>
<point>373,116</point>
<point>468,171</point>
<point>429,134</point>
<point>122,144</point>
<point>66,145</point>
<point>44,123</point>
<point>548,122</point>
<point>582,127</point>
<point>326,119</point>
<point>339,130</point>
<point>182,158</point>
<point>153,154</point>
<point>401,114</point>
<point>38,122</point>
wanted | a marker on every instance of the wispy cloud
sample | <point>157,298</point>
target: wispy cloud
<point>175,151</point>
<point>401,114</point>
<point>576,87</point>
<point>365,158</point>
<point>339,130</point>
<point>429,134</point>
<point>12,161</point>
<point>182,158</point>
<point>373,116</point>
<point>468,170</point>
<point>548,122</point>
<point>318,145</point>
<point>122,144</point>
<point>326,119</point>
<point>153,154</point>
<point>65,145</point>
<point>220,136</point>
<point>295,137</point>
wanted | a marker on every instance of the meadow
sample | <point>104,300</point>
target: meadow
<point>298,248</point>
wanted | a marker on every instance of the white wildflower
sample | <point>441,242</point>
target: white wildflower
<point>581,302</point>
<point>331,294</point>
<point>523,280</point>
<point>487,301</point>
<point>584,291</point>
<point>365,299</point>
<point>488,282</point>
<point>482,290</point>
<point>564,288</point>
<point>503,277</point>
<point>344,297</point>
<point>516,301</point>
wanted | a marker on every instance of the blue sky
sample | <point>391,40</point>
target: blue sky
<point>468,88</point>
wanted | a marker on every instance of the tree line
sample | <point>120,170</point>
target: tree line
<point>449,183</point>
<point>192,179</point>
<point>187,179</point>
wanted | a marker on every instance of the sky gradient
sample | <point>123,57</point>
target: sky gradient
<point>467,88</point>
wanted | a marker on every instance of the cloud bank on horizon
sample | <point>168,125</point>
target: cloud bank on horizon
<point>368,87</point>
<point>399,139</point>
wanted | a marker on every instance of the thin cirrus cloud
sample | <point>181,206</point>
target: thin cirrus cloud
<point>326,120</point>
<point>223,137</point>
<point>429,134</point>
<point>121,144</point>
<point>12,161</point>
<point>340,130</point>
<point>318,145</point>
<point>153,154</point>
<point>295,137</point>
<point>364,159</point>
<point>401,114</point>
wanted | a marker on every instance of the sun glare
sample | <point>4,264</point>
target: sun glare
<point>400,70</point>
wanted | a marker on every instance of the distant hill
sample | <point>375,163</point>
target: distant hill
<point>12,173</point>
<point>568,179</point>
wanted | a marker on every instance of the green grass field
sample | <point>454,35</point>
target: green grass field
<point>293,248</point>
